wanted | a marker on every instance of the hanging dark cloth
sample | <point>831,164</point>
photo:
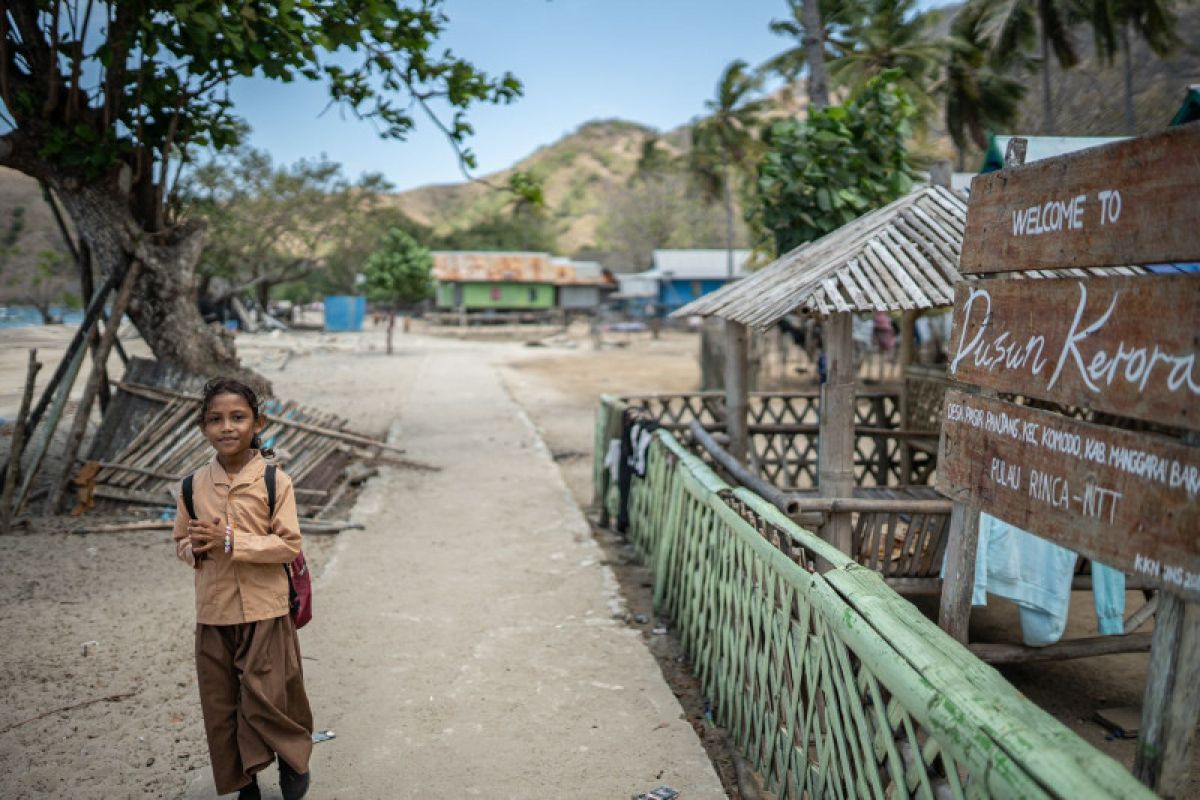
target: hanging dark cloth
<point>636,427</point>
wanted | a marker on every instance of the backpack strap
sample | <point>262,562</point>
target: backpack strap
<point>188,501</point>
<point>269,478</point>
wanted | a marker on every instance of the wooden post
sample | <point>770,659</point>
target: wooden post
<point>18,445</point>
<point>737,391</point>
<point>958,582</point>
<point>83,412</point>
<point>1171,705</point>
<point>908,349</point>
<point>835,443</point>
<point>87,284</point>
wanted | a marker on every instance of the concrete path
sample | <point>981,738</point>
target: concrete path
<point>464,642</point>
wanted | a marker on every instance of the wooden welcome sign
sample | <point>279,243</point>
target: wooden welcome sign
<point>1130,202</point>
<point>1125,346</point>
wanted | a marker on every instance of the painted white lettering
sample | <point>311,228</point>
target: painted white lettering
<point>1077,211</point>
<point>1071,344</point>
<point>968,307</point>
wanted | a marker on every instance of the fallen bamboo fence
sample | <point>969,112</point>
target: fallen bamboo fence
<point>831,684</point>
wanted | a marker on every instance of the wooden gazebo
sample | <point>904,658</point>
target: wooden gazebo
<point>900,258</point>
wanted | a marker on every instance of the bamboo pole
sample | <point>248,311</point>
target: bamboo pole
<point>18,444</point>
<point>155,393</point>
<point>94,309</point>
<point>737,375</point>
<point>835,443</point>
<point>66,381</point>
<point>84,411</point>
<point>734,466</point>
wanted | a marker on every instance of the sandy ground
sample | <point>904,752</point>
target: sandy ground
<point>88,618</point>
<point>465,642</point>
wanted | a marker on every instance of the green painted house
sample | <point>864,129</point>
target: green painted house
<point>485,281</point>
<point>494,295</point>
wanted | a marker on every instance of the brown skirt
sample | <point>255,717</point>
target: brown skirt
<point>253,700</point>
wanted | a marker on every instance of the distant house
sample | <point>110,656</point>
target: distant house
<point>587,287</point>
<point>636,295</point>
<point>514,281</point>
<point>681,276</point>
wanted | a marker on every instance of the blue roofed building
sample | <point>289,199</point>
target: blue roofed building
<point>681,276</point>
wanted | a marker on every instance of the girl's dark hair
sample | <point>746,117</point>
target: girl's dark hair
<point>230,386</point>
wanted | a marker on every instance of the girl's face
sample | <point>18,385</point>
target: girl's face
<point>230,425</point>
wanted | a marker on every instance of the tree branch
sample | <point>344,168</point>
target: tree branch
<point>294,270</point>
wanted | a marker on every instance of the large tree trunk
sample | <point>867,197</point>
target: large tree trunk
<point>262,293</point>
<point>1048,125</point>
<point>164,305</point>
<point>814,48</point>
<point>1130,119</point>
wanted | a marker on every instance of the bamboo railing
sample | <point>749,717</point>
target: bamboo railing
<point>830,683</point>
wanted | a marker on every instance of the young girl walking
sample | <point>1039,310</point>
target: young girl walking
<point>247,653</point>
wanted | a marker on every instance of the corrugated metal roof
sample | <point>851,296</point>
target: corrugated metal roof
<point>691,265</point>
<point>456,266</point>
<point>901,256</point>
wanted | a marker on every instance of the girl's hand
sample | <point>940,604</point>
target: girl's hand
<point>188,557</point>
<point>205,536</point>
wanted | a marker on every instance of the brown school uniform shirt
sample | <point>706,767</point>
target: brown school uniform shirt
<point>248,584</point>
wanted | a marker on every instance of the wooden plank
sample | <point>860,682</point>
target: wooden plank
<point>1130,202</point>
<point>999,653</point>
<point>1127,346</point>
<point>958,579</point>
<point>97,376</point>
<point>17,445</point>
<point>66,379</point>
<point>1125,721</point>
<point>1171,703</point>
<point>1125,499</point>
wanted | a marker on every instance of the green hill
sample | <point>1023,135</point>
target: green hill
<point>580,169</point>
<point>576,171</point>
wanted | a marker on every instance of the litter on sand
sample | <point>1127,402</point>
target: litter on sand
<point>661,793</point>
<point>323,736</point>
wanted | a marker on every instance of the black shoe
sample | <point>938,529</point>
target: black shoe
<point>293,784</point>
<point>250,791</point>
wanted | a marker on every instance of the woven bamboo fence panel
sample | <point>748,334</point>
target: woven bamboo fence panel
<point>831,684</point>
<point>783,432</point>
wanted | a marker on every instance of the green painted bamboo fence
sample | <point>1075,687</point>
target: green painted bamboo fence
<point>830,683</point>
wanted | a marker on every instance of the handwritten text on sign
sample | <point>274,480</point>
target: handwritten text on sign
<point>1127,346</point>
<point>1129,500</point>
<point>1130,202</point>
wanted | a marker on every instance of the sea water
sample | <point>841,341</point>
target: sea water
<point>28,316</point>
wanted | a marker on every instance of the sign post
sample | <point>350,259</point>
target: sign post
<point>1118,481</point>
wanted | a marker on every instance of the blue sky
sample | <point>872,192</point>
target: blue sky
<point>648,61</point>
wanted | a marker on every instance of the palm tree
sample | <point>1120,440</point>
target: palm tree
<point>813,24</point>
<point>1152,20</point>
<point>979,90</point>
<point>728,132</point>
<point>888,34</point>
<point>1011,31</point>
